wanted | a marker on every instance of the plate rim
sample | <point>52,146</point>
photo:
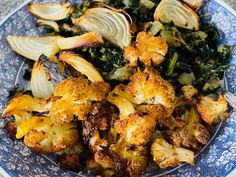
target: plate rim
<point>220,2</point>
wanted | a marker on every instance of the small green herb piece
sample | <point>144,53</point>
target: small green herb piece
<point>80,9</point>
<point>172,63</point>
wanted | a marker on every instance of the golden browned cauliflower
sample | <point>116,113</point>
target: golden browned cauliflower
<point>187,130</point>
<point>128,159</point>
<point>212,111</point>
<point>22,106</point>
<point>131,53</point>
<point>167,155</point>
<point>149,49</point>
<point>136,122</point>
<point>149,88</point>
<point>43,136</point>
<point>145,88</point>
<point>137,129</point>
<point>189,91</point>
<point>75,98</point>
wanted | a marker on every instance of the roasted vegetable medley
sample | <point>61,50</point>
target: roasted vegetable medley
<point>119,85</point>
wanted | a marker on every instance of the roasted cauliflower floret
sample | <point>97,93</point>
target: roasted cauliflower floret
<point>22,106</point>
<point>43,136</point>
<point>131,53</point>
<point>212,111</point>
<point>149,49</point>
<point>63,111</point>
<point>182,138</point>
<point>72,88</point>
<point>149,88</point>
<point>129,159</point>
<point>146,87</point>
<point>138,128</point>
<point>191,133</point>
<point>75,98</point>
<point>80,89</point>
<point>189,91</point>
<point>135,123</point>
<point>167,155</point>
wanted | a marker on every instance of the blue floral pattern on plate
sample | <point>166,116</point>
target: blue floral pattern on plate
<point>218,159</point>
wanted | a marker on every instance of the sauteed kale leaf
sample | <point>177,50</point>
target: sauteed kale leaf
<point>196,58</point>
<point>109,60</point>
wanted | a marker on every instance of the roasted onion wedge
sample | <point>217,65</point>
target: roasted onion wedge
<point>81,65</point>
<point>47,23</point>
<point>194,4</point>
<point>49,11</point>
<point>23,105</point>
<point>178,13</point>
<point>40,83</point>
<point>112,25</point>
<point>86,40</point>
<point>33,47</point>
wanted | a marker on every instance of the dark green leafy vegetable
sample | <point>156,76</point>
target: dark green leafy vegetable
<point>199,56</point>
<point>80,9</point>
<point>172,61</point>
<point>109,60</point>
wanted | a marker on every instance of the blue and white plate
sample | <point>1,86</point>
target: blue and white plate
<point>217,160</point>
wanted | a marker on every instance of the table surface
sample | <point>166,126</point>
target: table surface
<point>11,5</point>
